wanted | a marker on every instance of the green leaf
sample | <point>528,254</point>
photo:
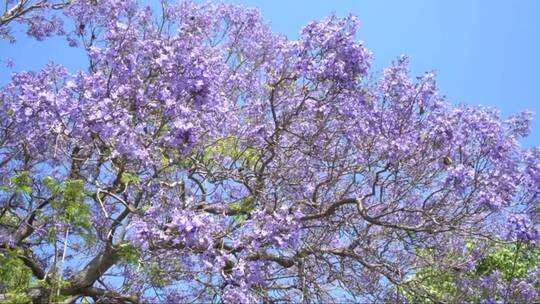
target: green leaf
<point>52,184</point>
<point>511,260</point>
<point>129,253</point>
<point>73,208</point>
<point>24,189</point>
<point>22,182</point>
<point>5,188</point>
<point>14,275</point>
<point>229,146</point>
<point>21,179</point>
<point>245,206</point>
<point>74,191</point>
<point>157,276</point>
<point>126,178</point>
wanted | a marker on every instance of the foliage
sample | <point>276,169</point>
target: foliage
<point>14,275</point>
<point>513,262</point>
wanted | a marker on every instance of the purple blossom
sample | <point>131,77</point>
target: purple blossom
<point>522,229</point>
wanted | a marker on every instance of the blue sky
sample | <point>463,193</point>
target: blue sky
<point>484,52</point>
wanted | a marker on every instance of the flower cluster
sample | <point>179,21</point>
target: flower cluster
<point>522,228</point>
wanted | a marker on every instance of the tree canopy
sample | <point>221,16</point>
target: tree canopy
<point>201,157</point>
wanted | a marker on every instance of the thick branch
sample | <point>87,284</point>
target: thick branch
<point>96,268</point>
<point>98,292</point>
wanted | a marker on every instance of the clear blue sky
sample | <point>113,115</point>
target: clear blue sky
<point>484,52</point>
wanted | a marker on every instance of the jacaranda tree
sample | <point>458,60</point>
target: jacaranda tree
<point>202,158</point>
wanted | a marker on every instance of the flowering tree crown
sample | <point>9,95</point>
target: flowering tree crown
<point>203,158</point>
